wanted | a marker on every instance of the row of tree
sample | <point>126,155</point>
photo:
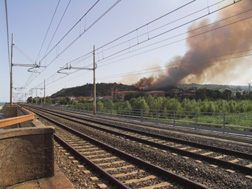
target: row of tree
<point>201,94</point>
<point>39,100</point>
<point>148,103</point>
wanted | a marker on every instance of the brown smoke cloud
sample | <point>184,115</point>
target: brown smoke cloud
<point>200,63</point>
<point>144,82</point>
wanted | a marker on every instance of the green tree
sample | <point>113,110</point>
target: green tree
<point>63,101</point>
<point>99,106</point>
<point>172,104</point>
<point>142,105</point>
<point>211,107</point>
<point>29,99</point>
<point>232,106</point>
<point>238,95</point>
<point>133,102</point>
<point>48,100</point>
<point>204,106</point>
<point>127,105</point>
<point>227,94</point>
<point>110,104</point>
<point>201,94</point>
<point>170,94</point>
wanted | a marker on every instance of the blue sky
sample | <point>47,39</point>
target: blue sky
<point>29,21</point>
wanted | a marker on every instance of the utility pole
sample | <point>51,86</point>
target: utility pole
<point>11,71</point>
<point>94,80</point>
<point>31,96</point>
<point>44,91</point>
<point>84,68</point>
<point>37,94</point>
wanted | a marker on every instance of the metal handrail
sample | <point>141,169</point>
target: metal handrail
<point>18,119</point>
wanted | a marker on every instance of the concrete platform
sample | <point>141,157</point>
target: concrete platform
<point>58,181</point>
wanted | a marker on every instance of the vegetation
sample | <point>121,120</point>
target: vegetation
<point>102,89</point>
<point>48,100</point>
<point>167,104</point>
<point>201,112</point>
<point>205,106</point>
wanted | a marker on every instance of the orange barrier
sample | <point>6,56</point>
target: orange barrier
<point>19,119</point>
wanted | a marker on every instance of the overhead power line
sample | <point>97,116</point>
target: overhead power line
<point>156,19</point>
<point>131,51</point>
<point>29,79</point>
<point>128,57</point>
<point>69,30</point>
<point>31,76</point>
<point>24,54</point>
<point>163,68</point>
<point>155,29</point>
<point>138,28</point>
<point>58,26</point>
<point>172,29</point>
<point>48,28</point>
<point>193,36</point>
<point>108,10</point>
<point>218,58</point>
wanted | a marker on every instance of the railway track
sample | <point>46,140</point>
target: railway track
<point>237,137</point>
<point>120,169</point>
<point>219,156</point>
<point>230,160</point>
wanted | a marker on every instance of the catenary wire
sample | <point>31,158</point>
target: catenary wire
<point>24,54</point>
<point>69,30</point>
<point>148,50</point>
<point>48,28</point>
<point>101,47</point>
<point>30,79</point>
<point>168,43</point>
<point>58,26</point>
<point>153,30</point>
<point>113,40</point>
<point>26,83</point>
<point>90,53</point>
<point>83,32</point>
<point>213,59</point>
<point>108,10</point>
<point>172,29</point>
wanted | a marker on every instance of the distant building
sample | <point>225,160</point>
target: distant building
<point>120,95</point>
<point>73,98</point>
<point>156,93</point>
<point>87,98</point>
<point>106,98</point>
<point>185,93</point>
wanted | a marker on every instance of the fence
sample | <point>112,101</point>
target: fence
<point>223,120</point>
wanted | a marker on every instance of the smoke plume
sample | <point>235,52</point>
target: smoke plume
<point>144,82</point>
<point>204,58</point>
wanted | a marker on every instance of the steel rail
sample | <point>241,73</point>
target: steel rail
<point>216,149</point>
<point>177,150</point>
<point>181,180</point>
<point>90,163</point>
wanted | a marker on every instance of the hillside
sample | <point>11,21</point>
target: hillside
<point>102,89</point>
<point>234,88</point>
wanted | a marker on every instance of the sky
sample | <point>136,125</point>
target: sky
<point>132,39</point>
